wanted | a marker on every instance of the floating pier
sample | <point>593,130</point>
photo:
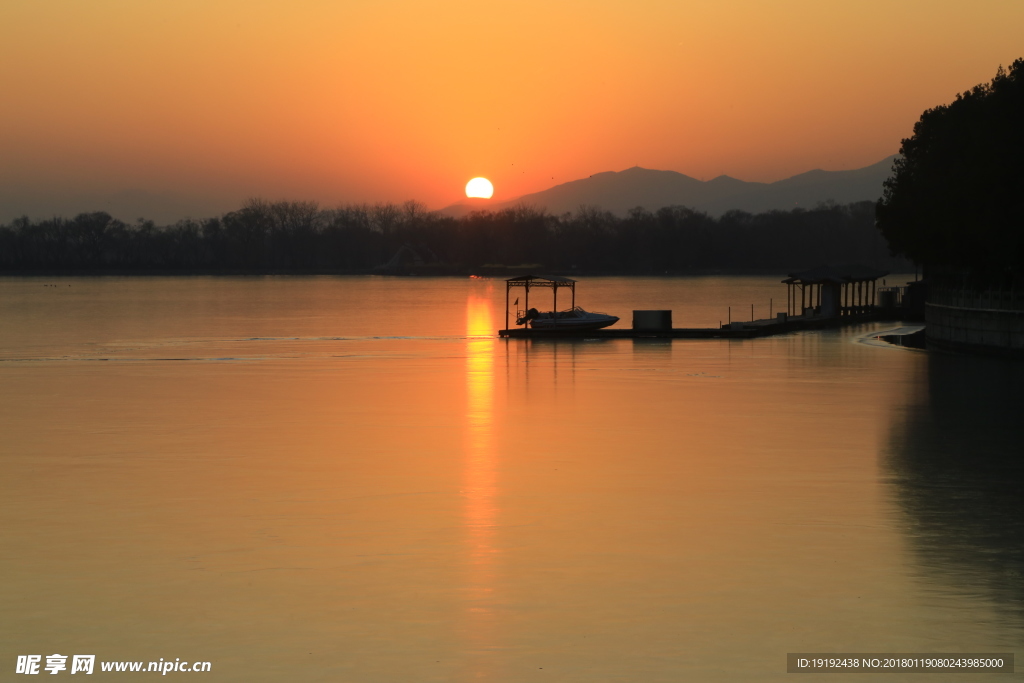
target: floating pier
<point>829,297</point>
<point>745,330</point>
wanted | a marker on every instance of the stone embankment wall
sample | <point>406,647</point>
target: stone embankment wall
<point>983,322</point>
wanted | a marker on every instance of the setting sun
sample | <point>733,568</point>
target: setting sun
<point>479,187</point>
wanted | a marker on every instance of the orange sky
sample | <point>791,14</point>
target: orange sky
<point>195,105</point>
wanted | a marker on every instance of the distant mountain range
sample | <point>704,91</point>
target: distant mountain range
<point>621,191</point>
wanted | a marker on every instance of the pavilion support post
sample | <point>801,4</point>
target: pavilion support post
<point>554,304</point>
<point>803,302</point>
<point>508,288</point>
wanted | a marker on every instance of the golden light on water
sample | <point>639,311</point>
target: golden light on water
<point>480,482</point>
<point>457,507</point>
<point>479,187</point>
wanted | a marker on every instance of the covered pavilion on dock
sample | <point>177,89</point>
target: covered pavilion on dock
<point>831,291</point>
<point>527,282</point>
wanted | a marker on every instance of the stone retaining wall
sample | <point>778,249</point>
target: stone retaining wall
<point>981,322</point>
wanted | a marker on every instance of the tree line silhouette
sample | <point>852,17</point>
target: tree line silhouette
<point>955,201</point>
<point>288,236</point>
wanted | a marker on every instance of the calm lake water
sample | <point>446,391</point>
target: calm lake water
<point>353,479</point>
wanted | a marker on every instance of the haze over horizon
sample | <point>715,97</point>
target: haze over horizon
<point>188,108</point>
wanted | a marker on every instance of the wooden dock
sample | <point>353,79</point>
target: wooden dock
<point>742,330</point>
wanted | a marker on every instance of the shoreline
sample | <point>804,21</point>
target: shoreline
<point>460,273</point>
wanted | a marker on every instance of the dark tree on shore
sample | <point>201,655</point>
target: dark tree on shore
<point>956,196</point>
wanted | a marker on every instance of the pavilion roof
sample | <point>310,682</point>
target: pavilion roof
<point>835,274</point>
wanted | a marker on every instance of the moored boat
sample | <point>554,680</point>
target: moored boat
<point>574,318</point>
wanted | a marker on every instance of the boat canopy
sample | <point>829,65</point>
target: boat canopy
<point>528,282</point>
<point>540,281</point>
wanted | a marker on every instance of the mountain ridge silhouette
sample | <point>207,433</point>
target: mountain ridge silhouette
<point>621,191</point>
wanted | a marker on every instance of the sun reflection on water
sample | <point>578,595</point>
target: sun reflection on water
<point>479,485</point>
